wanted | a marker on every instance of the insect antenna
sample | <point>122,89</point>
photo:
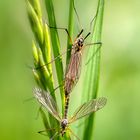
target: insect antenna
<point>87,35</point>
<point>80,33</point>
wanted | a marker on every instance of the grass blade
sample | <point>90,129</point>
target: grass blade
<point>55,46</point>
<point>93,68</point>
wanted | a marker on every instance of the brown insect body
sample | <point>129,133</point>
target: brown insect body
<point>73,72</point>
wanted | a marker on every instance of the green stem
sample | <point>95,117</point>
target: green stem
<point>56,47</point>
<point>93,69</point>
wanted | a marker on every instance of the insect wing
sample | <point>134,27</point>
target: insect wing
<point>47,101</point>
<point>74,67</point>
<point>89,107</point>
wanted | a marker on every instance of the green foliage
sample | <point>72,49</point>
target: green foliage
<point>55,46</point>
<point>47,40</point>
<point>93,69</point>
<point>41,53</point>
<point>119,70</point>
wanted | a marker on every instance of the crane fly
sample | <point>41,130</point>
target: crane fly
<point>85,109</point>
<point>73,68</point>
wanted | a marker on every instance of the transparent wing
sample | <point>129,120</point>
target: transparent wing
<point>47,101</point>
<point>73,72</point>
<point>74,66</point>
<point>89,107</point>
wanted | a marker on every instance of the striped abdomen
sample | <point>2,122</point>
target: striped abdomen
<point>66,105</point>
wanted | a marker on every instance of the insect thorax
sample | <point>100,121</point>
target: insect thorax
<point>78,44</point>
<point>64,123</point>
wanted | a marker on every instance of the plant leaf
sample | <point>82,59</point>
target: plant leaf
<point>93,68</point>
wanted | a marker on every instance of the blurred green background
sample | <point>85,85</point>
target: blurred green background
<point>120,69</point>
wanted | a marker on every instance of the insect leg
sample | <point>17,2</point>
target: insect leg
<point>37,114</point>
<point>93,20</point>
<point>61,28</point>
<point>52,60</point>
<point>77,15</point>
<point>57,88</point>
<point>55,135</point>
<point>45,134</point>
<point>73,134</point>
<point>97,43</point>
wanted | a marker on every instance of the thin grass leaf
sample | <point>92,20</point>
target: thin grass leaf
<point>69,43</point>
<point>55,46</point>
<point>93,68</point>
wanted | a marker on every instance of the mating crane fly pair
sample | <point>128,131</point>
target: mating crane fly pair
<point>85,109</point>
<point>73,70</point>
<point>71,77</point>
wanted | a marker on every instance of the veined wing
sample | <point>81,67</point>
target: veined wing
<point>74,66</point>
<point>89,107</point>
<point>73,71</point>
<point>48,102</point>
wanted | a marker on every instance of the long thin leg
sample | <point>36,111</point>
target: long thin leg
<point>29,99</point>
<point>57,88</point>
<point>95,51</point>
<point>90,44</point>
<point>77,14</point>
<point>38,112</point>
<point>42,131</point>
<point>56,134</point>
<point>61,28</point>
<point>73,134</point>
<point>93,20</point>
<point>52,60</point>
